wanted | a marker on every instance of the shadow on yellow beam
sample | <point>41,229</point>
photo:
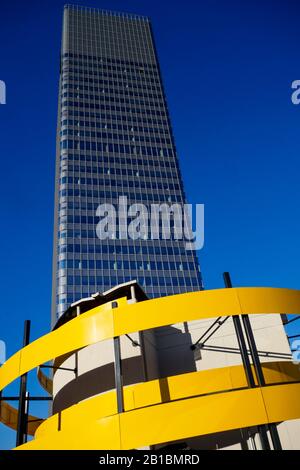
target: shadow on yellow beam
<point>200,403</point>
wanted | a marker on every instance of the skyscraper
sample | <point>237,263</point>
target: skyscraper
<point>114,139</point>
<point>201,370</point>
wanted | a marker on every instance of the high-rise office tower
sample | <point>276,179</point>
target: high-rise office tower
<point>114,139</point>
<point>129,372</point>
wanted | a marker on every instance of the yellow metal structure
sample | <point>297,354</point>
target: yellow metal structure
<point>198,403</point>
<point>9,417</point>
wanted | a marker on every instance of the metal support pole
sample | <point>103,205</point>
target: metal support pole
<point>22,424</point>
<point>275,436</point>
<point>243,351</point>
<point>132,293</point>
<point>293,319</point>
<point>26,415</point>
<point>10,398</point>
<point>253,350</point>
<point>264,440</point>
<point>260,375</point>
<point>118,374</point>
<point>246,362</point>
<point>118,370</point>
<point>293,336</point>
<point>241,339</point>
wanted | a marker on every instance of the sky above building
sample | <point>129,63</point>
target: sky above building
<point>227,69</point>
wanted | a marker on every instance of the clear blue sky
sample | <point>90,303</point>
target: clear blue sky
<point>227,69</point>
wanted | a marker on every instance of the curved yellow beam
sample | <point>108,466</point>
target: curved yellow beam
<point>147,394</point>
<point>153,392</point>
<point>45,381</point>
<point>9,417</point>
<point>105,323</point>
<point>83,426</point>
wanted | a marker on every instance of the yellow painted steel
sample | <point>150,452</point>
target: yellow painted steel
<point>95,423</point>
<point>283,401</point>
<point>177,387</point>
<point>57,428</point>
<point>104,323</point>
<point>9,417</point>
<point>166,422</point>
<point>45,381</point>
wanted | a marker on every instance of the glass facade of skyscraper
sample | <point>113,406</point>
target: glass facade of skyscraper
<point>114,139</point>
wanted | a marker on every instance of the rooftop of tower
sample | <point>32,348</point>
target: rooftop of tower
<point>107,12</point>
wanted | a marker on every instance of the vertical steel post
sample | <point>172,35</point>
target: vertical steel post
<point>118,374</point>
<point>26,415</point>
<point>118,370</point>
<point>241,339</point>
<point>132,293</point>
<point>22,420</point>
<point>260,375</point>
<point>246,363</point>
<point>275,436</point>
<point>253,350</point>
<point>263,435</point>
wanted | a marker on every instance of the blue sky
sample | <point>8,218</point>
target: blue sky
<point>227,69</point>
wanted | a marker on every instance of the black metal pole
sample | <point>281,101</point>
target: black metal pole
<point>262,430</point>
<point>264,440</point>
<point>260,375</point>
<point>217,323</point>
<point>253,350</point>
<point>26,416</point>
<point>241,339</point>
<point>10,398</point>
<point>118,370</point>
<point>22,425</point>
<point>293,319</point>
<point>118,374</point>
<point>275,436</point>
